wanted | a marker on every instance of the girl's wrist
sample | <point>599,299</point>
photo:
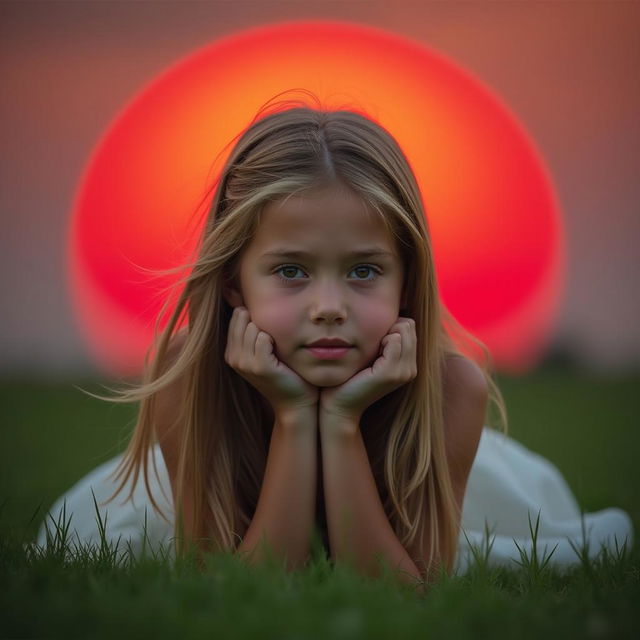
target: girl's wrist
<point>297,418</point>
<point>332,424</point>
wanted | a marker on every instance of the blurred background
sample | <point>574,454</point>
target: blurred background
<point>568,72</point>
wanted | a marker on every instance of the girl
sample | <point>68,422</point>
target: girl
<point>319,381</point>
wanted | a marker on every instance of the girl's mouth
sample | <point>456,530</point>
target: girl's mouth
<point>328,353</point>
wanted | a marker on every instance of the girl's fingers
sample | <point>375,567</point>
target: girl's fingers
<point>249,342</point>
<point>239,320</point>
<point>229,353</point>
<point>405,332</point>
<point>392,346</point>
<point>393,339</point>
<point>409,340</point>
<point>397,343</point>
<point>406,329</point>
<point>402,345</point>
<point>263,346</point>
<point>246,334</point>
<point>237,330</point>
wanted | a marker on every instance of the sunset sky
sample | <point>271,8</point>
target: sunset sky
<point>566,70</point>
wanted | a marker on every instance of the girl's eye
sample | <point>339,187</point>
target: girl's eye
<point>367,268</point>
<point>291,269</point>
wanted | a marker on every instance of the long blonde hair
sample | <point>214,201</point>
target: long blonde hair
<point>225,426</point>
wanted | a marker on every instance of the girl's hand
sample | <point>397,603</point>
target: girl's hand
<point>250,352</point>
<point>394,367</point>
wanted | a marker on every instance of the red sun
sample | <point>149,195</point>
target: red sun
<point>493,215</point>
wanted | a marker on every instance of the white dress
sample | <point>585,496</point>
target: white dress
<point>509,485</point>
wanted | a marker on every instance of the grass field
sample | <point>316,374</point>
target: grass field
<point>51,435</point>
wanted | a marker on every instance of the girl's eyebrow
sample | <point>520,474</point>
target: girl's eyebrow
<point>294,253</point>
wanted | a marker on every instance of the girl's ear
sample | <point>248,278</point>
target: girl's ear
<point>232,293</point>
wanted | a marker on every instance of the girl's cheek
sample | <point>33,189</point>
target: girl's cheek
<point>378,319</point>
<point>276,319</point>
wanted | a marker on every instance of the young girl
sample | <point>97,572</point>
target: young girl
<point>319,383</point>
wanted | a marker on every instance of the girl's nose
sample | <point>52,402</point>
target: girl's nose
<point>328,302</point>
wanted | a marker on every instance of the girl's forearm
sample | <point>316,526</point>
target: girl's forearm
<point>359,530</point>
<point>284,519</point>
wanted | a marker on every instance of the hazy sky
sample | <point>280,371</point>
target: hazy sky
<point>568,70</point>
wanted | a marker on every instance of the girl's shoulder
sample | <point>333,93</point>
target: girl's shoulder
<point>462,376</point>
<point>466,393</point>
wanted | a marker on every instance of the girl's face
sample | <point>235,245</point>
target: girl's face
<point>326,290</point>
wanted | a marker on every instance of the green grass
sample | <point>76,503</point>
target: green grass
<point>52,434</point>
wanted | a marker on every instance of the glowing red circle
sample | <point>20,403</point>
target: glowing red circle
<point>494,218</point>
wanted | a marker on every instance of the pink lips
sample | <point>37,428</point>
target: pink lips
<point>328,353</point>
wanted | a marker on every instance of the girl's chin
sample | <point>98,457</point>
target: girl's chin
<point>327,381</point>
<point>319,378</point>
